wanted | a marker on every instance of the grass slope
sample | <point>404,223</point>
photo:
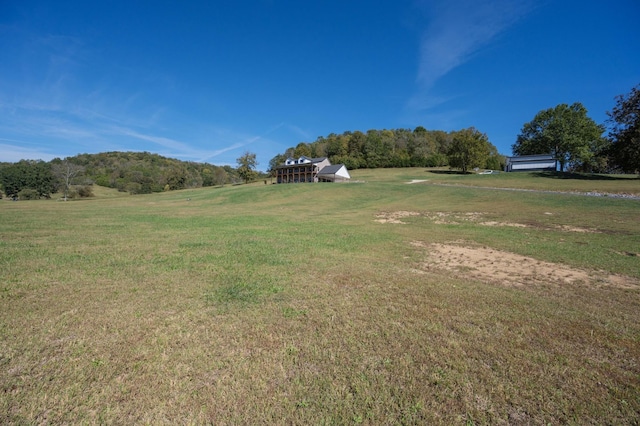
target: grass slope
<point>265,304</point>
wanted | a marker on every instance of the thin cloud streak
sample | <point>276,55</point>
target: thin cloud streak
<point>457,30</point>
<point>13,153</point>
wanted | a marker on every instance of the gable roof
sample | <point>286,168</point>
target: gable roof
<point>330,170</point>
<point>317,159</point>
<point>537,157</point>
<point>296,161</point>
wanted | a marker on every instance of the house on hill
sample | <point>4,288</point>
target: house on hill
<point>531,163</point>
<point>304,169</point>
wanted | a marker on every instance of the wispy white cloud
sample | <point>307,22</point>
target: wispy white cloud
<point>11,153</point>
<point>299,131</point>
<point>456,30</point>
<point>58,108</point>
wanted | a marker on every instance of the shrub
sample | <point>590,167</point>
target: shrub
<point>133,188</point>
<point>495,162</point>
<point>103,180</point>
<point>28,194</point>
<point>84,191</point>
<point>436,160</point>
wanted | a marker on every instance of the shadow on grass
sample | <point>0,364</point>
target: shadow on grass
<point>448,172</point>
<point>579,176</point>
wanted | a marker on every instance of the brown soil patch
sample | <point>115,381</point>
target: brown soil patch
<point>510,269</point>
<point>394,217</point>
<point>448,218</point>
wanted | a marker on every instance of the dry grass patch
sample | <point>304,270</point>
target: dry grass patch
<point>394,217</point>
<point>451,218</point>
<point>510,269</point>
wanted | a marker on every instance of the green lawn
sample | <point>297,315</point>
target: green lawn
<point>305,304</point>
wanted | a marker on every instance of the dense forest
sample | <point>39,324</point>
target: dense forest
<point>132,172</point>
<point>390,148</point>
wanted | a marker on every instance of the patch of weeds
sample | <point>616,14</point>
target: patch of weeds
<point>274,289</point>
<point>241,289</point>
<point>304,403</point>
<point>292,350</point>
<point>237,292</point>
<point>289,312</point>
<point>97,362</point>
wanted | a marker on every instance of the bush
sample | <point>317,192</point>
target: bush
<point>28,194</point>
<point>133,188</point>
<point>103,180</point>
<point>84,191</point>
<point>436,160</point>
<point>495,162</point>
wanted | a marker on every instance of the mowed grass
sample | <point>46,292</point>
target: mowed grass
<point>290,304</point>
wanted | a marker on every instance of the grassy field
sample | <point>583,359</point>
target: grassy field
<point>380,302</point>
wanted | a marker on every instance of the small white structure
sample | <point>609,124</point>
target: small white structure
<point>335,173</point>
<point>529,163</point>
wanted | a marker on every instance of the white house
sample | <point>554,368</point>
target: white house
<point>304,169</point>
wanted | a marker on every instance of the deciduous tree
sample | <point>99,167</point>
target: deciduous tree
<point>246,166</point>
<point>220,176</point>
<point>625,132</point>
<point>27,174</point>
<point>469,148</point>
<point>302,149</point>
<point>66,171</point>
<point>564,131</point>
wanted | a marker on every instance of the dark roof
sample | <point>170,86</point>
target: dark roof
<point>538,157</point>
<point>330,170</point>
<point>313,161</point>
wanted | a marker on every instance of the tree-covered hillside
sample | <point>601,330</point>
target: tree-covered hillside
<point>144,172</point>
<point>133,172</point>
<point>390,148</point>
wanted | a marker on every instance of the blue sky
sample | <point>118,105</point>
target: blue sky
<point>208,80</point>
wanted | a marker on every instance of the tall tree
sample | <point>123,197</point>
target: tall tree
<point>564,131</point>
<point>246,166</point>
<point>625,132</point>
<point>220,176</point>
<point>469,148</point>
<point>66,171</point>
<point>27,174</point>
<point>302,149</point>
<point>276,161</point>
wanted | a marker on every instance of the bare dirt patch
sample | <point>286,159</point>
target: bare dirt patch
<point>416,181</point>
<point>394,217</point>
<point>510,269</point>
<point>448,218</point>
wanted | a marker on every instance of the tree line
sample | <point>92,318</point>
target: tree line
<point>565,131</point>
<point>467,148</point>
<point>132,172</point>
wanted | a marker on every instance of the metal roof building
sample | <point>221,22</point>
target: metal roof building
<point>528,163</point>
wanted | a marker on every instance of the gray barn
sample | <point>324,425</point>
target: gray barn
<point>528,163</point>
